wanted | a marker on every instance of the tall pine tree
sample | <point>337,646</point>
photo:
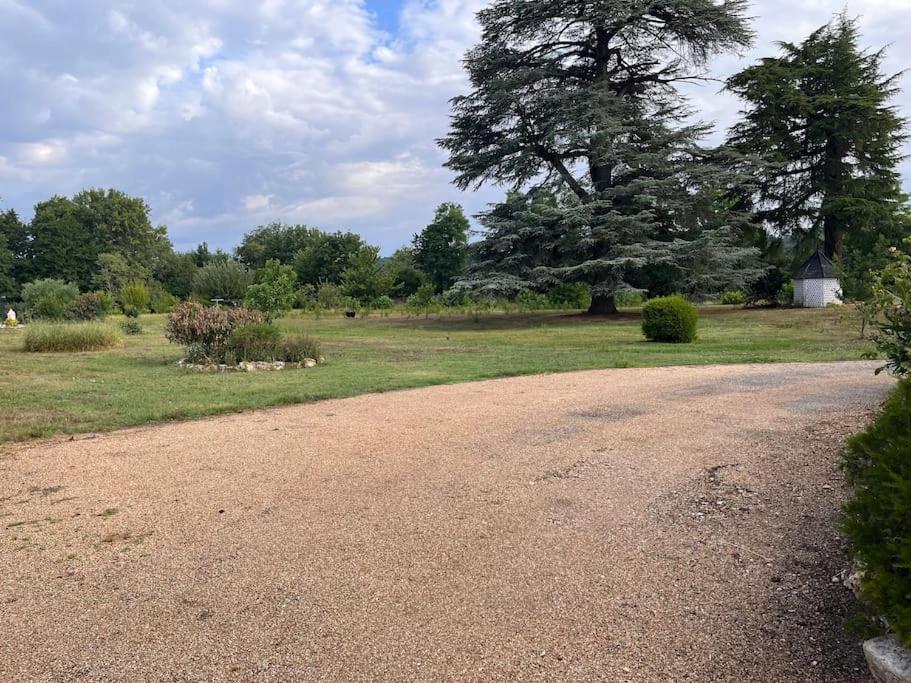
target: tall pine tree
<point>582,93</point>
<point>820,116</point>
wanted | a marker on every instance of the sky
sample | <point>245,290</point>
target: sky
<point>228,114</point>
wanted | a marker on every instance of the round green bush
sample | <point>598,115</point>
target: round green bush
<point>669,319</point>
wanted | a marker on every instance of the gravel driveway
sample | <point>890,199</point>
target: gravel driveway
<point>642,524</point>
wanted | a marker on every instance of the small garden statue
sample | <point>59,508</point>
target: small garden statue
<point>11,318</point>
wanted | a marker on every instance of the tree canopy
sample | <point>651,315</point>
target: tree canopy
<point>441,249</point>
<point>581,95</point>
<point>819,114</point>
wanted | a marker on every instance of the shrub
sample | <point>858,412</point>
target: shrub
<point>225,280</point>
<point>571,295</point>
<point>786,294</point>
<point>273,295</point>
<point>628,299</point>
<point>305,297</point>
<point>87,306</point>
<point>890,306</point>
<point>767,289</point>
<point>421,298</point>
<point>258,341</point>
<point>135,294</point>
<point>298,348</point>
<point>48,298</point>
<point>330,296</point>
<point>532,301</point>
<point>669,319</point>
<point>733,297</point>
<point>205,330</point>
<point>877,519</point>
<point>60,337</point>
<point>383,302</point>
<point>163,302</point>
<point>107,301</point>
<point>131,311</point>
<point>131,326</point>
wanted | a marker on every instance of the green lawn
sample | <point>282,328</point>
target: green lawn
<point>44,394</point>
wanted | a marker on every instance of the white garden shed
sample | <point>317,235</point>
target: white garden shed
<point>816,283</point>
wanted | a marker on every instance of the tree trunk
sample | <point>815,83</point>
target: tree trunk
<point>602,304</point>
<point>834,240</point>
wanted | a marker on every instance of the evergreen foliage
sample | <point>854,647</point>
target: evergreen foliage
<point>820,116</point>
<point>583,95</point>
<point>669,319</point>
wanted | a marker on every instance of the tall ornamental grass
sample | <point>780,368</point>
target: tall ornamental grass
<point>70,337</point>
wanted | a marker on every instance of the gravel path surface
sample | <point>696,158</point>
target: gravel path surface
<point>647,524</point>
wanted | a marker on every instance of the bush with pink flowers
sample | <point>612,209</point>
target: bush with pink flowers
<point>205,331</point>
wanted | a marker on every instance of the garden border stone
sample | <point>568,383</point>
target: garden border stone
<point>889,662</point>
<point>248,366</point>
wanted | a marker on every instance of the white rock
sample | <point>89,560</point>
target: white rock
<point>889,662</point>
<point>309,362</point>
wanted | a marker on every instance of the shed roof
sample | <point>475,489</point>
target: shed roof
<point>817,267</point>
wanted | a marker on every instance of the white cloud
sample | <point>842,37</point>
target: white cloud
<point>225,113</point>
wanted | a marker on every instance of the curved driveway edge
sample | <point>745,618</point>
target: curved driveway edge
<point>640,524</point>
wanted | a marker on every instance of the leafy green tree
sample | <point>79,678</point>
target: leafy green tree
<point>365,279</point>
<point>113,272</point>
<point>201,255</point>
<point>135,295</point>
<point>275,241</point>
<point>582,95</point>
<point>175,272</point>
<point>441,249</point>
<point>15,236</point>
<point>226,280</point>
<point>326,257</point>
<point>121,225</point>
<point>820,115</point>
<point>7,265</point>
<point>404,275</point>
<point>273,292</point>
<point>63,243</point>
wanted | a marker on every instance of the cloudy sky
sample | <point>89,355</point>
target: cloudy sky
<point>225,114</point>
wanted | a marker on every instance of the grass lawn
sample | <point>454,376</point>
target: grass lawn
<point>43,394</point>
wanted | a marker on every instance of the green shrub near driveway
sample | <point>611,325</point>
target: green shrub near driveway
<point>70,337</point>
<point>878,515</point>
<point>669,319</point>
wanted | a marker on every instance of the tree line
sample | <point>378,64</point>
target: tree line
<point>104,241</point>
<point>575,107</point>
